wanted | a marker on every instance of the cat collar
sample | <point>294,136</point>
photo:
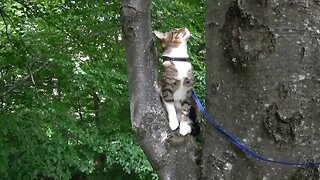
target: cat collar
<point>166,58</point>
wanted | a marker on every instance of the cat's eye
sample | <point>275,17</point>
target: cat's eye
<point>184,34</point>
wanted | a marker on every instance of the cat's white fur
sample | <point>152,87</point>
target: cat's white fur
<point>180,51</point>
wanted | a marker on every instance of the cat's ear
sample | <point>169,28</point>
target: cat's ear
<point>159,35</point>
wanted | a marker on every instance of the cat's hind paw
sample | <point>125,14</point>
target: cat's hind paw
<point>185,128</point>
<point>173,124</point>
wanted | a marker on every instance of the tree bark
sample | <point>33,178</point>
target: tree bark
<point>263,83</point>
<point>172,156</point>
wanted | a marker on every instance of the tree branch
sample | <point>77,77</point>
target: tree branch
<point>4,21</point>
<point>172,156</point>
<point>20,82</point>
<point>96,105</point>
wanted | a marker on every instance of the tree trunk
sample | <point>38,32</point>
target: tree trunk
<point>172,156</point>
<point>263,83</point>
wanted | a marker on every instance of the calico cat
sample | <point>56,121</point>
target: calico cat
<point>176,82</point>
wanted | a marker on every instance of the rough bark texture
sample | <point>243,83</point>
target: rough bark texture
<point>263,83</point>
<point>172,156</point>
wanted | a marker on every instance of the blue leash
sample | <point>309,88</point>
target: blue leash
<point>242,146</point>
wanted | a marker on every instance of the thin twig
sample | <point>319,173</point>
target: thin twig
<point>31,76</point>
<point>20,82</point>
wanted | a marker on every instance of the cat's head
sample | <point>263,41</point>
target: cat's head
<point>173,38</point>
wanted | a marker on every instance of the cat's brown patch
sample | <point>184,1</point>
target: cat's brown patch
<point>172,38</point>
<point>169,83</point>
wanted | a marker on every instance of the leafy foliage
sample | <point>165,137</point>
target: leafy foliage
<point>64,110</point>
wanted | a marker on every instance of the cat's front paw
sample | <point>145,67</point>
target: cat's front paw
<point>185,128</point>
<point>173,124</point>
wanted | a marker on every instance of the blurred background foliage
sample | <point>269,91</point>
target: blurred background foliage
<point>64,110</point>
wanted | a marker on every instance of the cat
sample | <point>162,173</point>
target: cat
<point>177,81</point>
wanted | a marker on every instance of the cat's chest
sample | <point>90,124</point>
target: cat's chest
<point>183,68</point>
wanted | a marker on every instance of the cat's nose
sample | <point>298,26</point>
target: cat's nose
<point>186,30</point>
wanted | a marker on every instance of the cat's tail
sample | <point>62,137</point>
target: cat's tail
<point>193,115</point>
